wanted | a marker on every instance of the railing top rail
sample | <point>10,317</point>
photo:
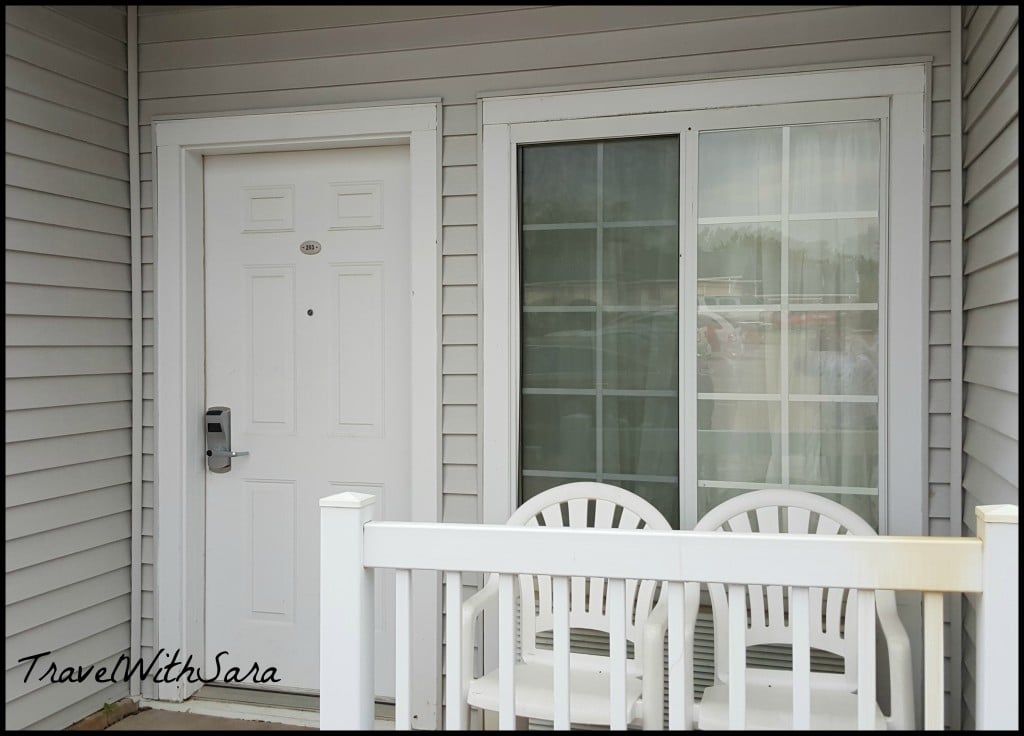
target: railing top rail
<point>940,564</point>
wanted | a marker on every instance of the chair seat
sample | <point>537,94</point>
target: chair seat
<point>770,707</point>
<point>588,693</point>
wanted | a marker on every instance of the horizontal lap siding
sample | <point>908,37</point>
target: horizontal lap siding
<point>68,356</point>
<point>214,60</point>
<point>991,275</point>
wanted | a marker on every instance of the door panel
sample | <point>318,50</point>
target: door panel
<point>311,353</point>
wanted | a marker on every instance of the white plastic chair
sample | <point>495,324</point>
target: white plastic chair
<point>589,674</point>
<point>769,698</point>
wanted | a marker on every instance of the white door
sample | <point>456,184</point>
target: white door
<point>310,351</point>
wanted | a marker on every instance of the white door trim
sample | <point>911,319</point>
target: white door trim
<point>180,145</point>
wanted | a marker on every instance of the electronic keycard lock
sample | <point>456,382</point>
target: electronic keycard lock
<point>218,439</point>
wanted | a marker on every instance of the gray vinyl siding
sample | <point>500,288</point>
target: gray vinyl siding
<point>68,356</point>
<point>991,55</point>
<point>208,60</point>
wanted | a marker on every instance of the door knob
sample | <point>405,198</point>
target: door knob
<point>218,440</point>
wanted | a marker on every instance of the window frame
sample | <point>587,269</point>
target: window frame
<point>895,95</point>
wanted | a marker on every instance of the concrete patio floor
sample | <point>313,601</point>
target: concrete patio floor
<point>157,719</point>
<point>154,719</point>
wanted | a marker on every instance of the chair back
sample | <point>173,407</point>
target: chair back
<point>833,612</point>
<point>585,505</point>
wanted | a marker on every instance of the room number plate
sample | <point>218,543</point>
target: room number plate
<point>309,247</point>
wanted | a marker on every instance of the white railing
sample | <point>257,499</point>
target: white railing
<point>353,545</point>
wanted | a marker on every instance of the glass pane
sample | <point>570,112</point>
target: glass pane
<point>833,353</point>
<point>708,498</point>
<point>641,435</point>
<point>558,350</point>
<point>834,167</point>
<point>601,313</point>
<point>739,264</point>
<point>826,232</point>
<point>740,173</point>
<point>834,444</point>
<point>641,350</point>
<point>641,179</point>
<point>531,485</point>
<point>558,433</point>
<point>559,183</point>
<point>663,496</point>
<point>833,261</point>
<point>559,267</point>
<point>738,352</point>
<point>738,441</point>
<point>641,266</point>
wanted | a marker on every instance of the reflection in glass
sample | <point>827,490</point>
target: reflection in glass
<point>738,352</point>
<point>641,435</point>
<point>833,353</point>
<point>639,173</point>
<point>739,263</point>
<point>641,266</point>
<point>834,261</point>
<point>740,173</point>
<point>559,183</point>
<point>770,244</point>
<point>558,350</point>
<point>558,433</point>
<point>663,496</point>
<point>531,485</point>
<point>641,349</point>
<point>559,267</point>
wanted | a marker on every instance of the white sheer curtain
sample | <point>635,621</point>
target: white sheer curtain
<point>802,242</point>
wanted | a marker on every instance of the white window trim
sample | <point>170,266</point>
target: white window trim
<point>646,110</point>
<point>179,147</point>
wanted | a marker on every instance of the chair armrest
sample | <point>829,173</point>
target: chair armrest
<point>471,608</point>
<point>653,675</point>
<point>901,686</point>
<point>653,680</point>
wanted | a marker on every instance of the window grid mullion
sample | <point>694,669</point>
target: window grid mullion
<point>784,322</point>
<point>599,323</point>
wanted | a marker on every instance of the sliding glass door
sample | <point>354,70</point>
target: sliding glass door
<point>780,381</point>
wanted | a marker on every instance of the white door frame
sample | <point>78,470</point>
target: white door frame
<point>180,145</point>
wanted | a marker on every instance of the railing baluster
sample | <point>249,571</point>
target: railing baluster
<point>737,657</point>
<point>799,623</point>
<point>866,660</point>
<point>506,652</point>
<point>403,650</point>
<point>617,649</point>
<point>560,622</point>
<point>933,664</point>
<point>455,706</point>
<point>680,687</point>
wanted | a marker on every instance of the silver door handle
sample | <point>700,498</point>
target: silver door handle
<point>225,453</point>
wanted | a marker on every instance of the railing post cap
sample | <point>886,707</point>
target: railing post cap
<point>348,500</point>
<point>1004,513</point>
